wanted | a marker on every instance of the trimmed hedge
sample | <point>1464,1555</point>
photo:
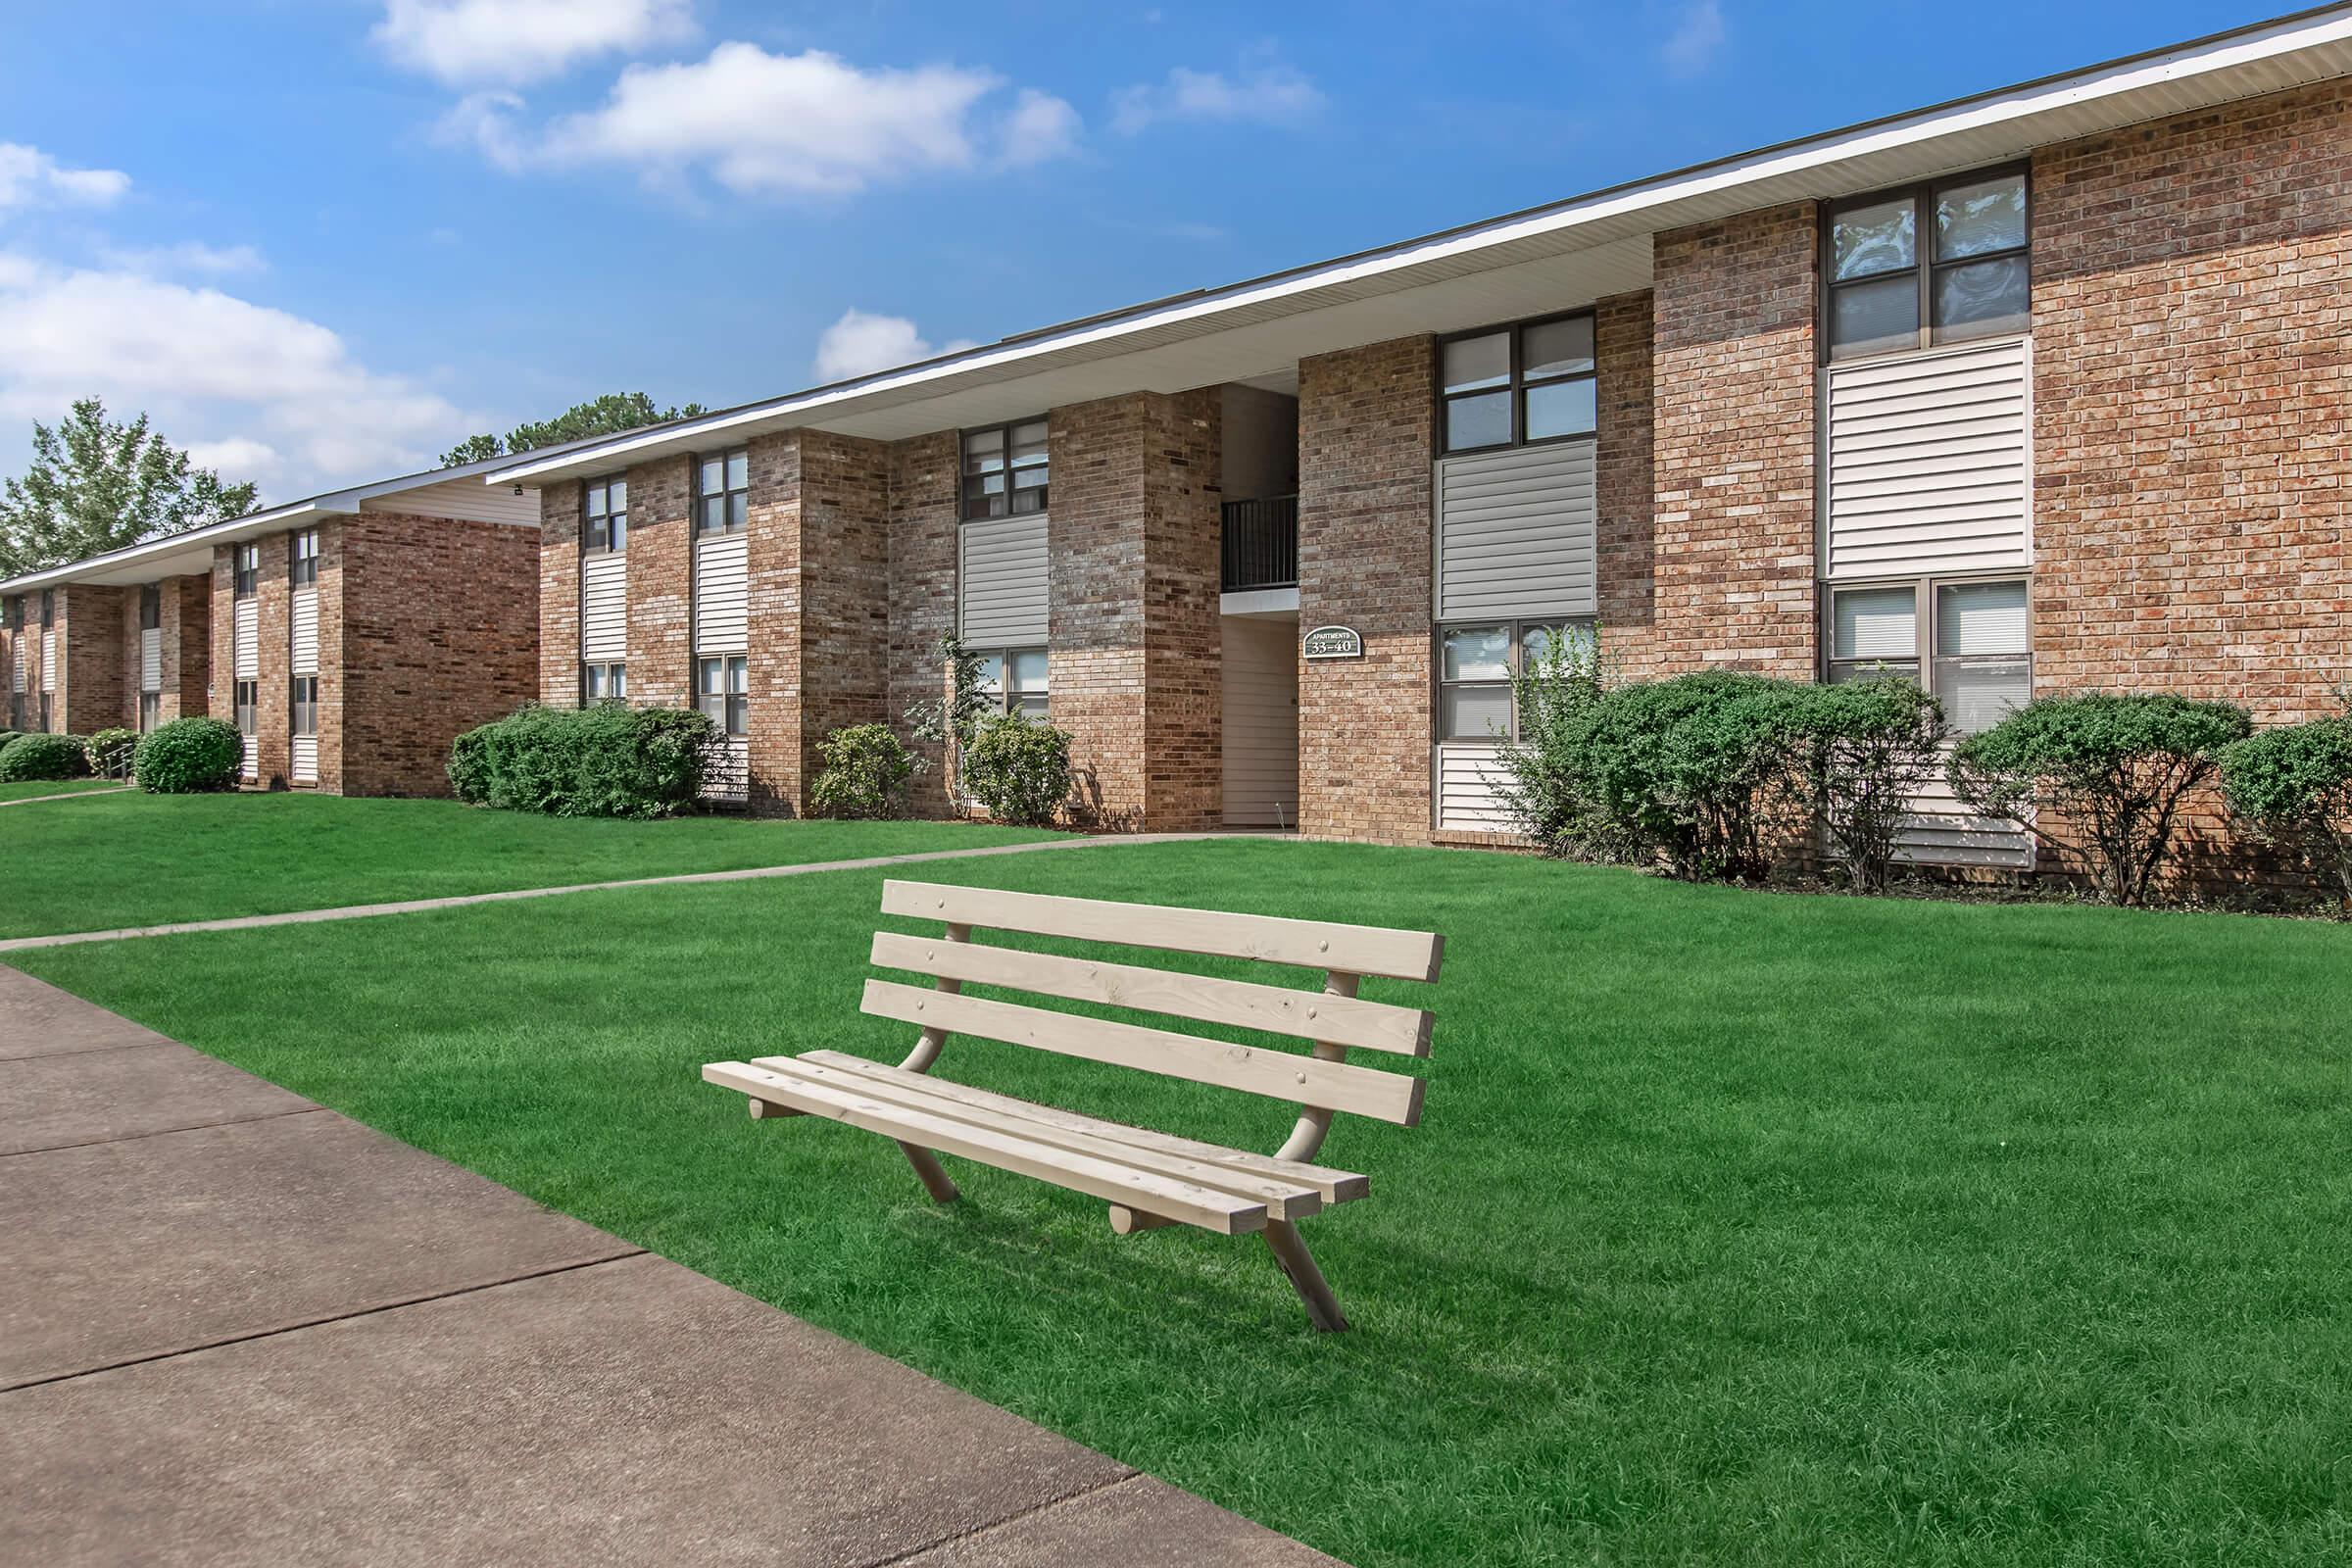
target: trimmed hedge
<point>188,757</point>
<point>605,761</point>
<point>866,772</point>
<point>43,757</point>
<point>2293,787</point>
<point>1019,769</point>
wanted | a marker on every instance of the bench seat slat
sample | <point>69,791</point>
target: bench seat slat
<point>1004,1149</point>
<point>1315,944</point>
<point>1244,1004</point>
<point>1283,1198</point>
<point>1336,1186</point>
<point>1279,1075</point>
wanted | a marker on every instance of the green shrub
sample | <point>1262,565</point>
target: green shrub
<point>1019,769</point>
<point>43,757</point>
<point>110,752</point>
<point>951,719</point>
<point>1545,785</point>
<point>1863,751</point>
<point>188,757</point>
<point>2293,786</point>
<point>606,760</point>
<point>865,773</point>
<point>2114,769</point>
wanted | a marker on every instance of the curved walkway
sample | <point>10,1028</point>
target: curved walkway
<point>362,912</point>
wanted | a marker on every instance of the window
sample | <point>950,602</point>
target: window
<point>306,705</point>
<point>1951,254</point>
<point>247,702</point>
<point>151,711</point>
<point>246,560</point>
<point>1475,665</point>
<point>1972,635</point>
<point>608,512</point>
<point>722,491</point>
<point>1517,385</point>
<point>12,611</point>
<point>306,556</point>
<point>48,608</point>
<point>1025,693</point>
<point>722,691</point>
<point>151,608</point>
<point>1004,470</point>
<point>603,683</point>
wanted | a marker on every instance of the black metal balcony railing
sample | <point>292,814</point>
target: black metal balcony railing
<point>1261,543</point>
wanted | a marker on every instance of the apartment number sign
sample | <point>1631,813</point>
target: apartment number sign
<point>1335,642</point>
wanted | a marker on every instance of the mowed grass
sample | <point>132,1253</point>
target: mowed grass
<point>150,860</point>
<point>1740,1229</point>
<point>35,789</point>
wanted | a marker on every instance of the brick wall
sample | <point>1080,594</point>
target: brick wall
<point>661,570</point>
<point>1734,445</point>
<point>187,625</point>
<point>561,509</point>
<point>774,559</point>
<point>440,627</point>
<point>1184,643</point>
<point>133,646</point>
<point>274,712</point>
<point>1364,560</point>
<point>335,583</point>
<point>921,582</point>
<point>1624,350</point>
<point>845,595</point>
<point>222,626</point>
<point>89,659</point>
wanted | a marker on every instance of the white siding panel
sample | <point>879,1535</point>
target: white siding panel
<point>605,609</point>
<point>251,767</point>
<point>248,665</point>
<point>1943,832</point>
<point>1002,581</point>
<point>1930,462</point>
<point>151,659</point>
<point>305,759</point>
<point>1516,532</point>
<point>729,776</point>
<point>303,638</point>
<point>722,594</point>
<point>1261,722</point>
<point>468,499</point>
<point>23,653</point>
<point>49,659</point>
<point>1467,801</point>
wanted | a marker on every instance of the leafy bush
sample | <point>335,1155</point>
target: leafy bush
<point>1694,768</point>
<point>1863,749</point>
<point>2293,786</point>
<point>2114,769</point>
<point>606,760</point>
<point>110,752</point>
<point>1019,769</point>
<point>188,757</point>
<point>1545,784</point>
<point>43,757</point>
<point>865,773</point>
<point>952,719</point>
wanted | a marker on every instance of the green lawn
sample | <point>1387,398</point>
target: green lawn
<point>34,789</point>
<point>1740,1229</point>
<point>148,860</point>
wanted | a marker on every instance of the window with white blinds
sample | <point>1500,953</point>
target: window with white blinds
<point>1972,636</point>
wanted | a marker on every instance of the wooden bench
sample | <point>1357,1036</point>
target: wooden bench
<point>1150,1179</point>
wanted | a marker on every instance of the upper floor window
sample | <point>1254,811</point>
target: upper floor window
<point>48,606</point>
<point>1004,470</point>
<point>1934,264</point>
<point>151,608</point>
<point>608,512</point>
<point>722,493</point>
<point>306,556</point>
<point>1515,385</point>
<point>12,611</point>
<point>246,561</point>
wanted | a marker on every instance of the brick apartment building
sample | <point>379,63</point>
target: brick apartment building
<point>2042,390</point>
<point>350,636</point>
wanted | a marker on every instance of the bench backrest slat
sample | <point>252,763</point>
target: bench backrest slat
<point>1245,1004</point>
<point>1314,944</point>
<point>1275,1074</point>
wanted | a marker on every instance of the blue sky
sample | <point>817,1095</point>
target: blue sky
<point>323,239</point>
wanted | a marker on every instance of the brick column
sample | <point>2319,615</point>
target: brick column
<point>222,626</point>
<point>1734,443</point>
<point>773,568</point>
<point>274,713</point>
<point>334,583</point>
<point>89,659</point>
<point>135,647</point>
<point>844,591</point>
<point>921,573</point>
<point>1365,725</point>
<point>1624,348</point>
<point>660,554</point>
<point>561,511</point>
<point>187,647</point>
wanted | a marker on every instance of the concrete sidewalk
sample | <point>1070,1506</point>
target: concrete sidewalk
<point>238,1328</point>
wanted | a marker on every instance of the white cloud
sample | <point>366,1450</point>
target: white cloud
<point>1264,93</point>
<point>1697,41</point>
<point>861,342</point>
<point>262,393</point>
<point>765,124</point>
<point>522,40</point>
<point>187,257</point>
<point>31,177</point>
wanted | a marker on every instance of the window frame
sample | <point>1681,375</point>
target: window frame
<point>1518,626</point>
<point>591,519</point>
<point>1924,658</point>
<point>1007,698</point>
<point>302,569</point>
<point>245,570</point>
<point>1003,433</point>
<point>245,706</point>
<point>151,607</point>
<point>1515,386</point>
<point>616,681</point>
<point>1924,263</point>
<point>734,718</point>
<point>729,491</point>
<point>48,608</point>
<point>299,704</point>
<point>151,711</point>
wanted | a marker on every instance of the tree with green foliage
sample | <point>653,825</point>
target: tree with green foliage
<point>95,485</point>
<point>614,413</point>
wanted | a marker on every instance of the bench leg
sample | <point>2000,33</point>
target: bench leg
<point>935,1175</point>
<point>1322,1307</point>
<point>1125,1221</point>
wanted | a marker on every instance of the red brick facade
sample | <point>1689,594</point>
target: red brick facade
<point>560,520</point>
<point>187,647</point>
<point>1625,546</point>
<point>88,626</point>
<point>660,552</point>
<point>922,569</point>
